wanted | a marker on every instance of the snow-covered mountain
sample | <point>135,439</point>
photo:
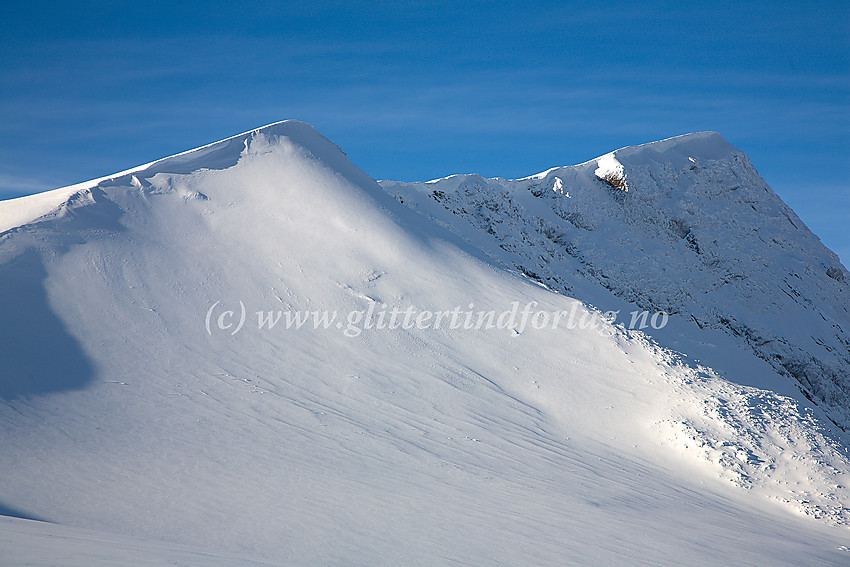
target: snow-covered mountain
<point>145,393</point>
<point>684,225</point>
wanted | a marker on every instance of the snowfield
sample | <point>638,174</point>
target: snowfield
<point>137,419</point>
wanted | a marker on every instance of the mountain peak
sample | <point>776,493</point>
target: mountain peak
<point>679,150</point>
<point>219,155</point>
<point>226,153</point>
<point>685,225</point>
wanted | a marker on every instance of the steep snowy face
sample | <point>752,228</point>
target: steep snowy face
<point>685,225</point>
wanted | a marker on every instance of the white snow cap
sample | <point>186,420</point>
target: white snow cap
<point>218,155</point>
<point>679,150</point>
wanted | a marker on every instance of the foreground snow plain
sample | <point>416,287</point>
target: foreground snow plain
<point>138,431</point>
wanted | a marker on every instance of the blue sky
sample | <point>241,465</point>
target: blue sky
<point>418,90</point>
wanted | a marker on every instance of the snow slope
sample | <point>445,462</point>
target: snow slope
<point>26,542</point>
<point>127,410</point>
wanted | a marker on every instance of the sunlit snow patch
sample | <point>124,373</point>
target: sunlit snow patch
<point>611,172</point>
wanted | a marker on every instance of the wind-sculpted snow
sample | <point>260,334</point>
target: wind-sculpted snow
<point>413,445</point>
<point>755,439</point>
<point>693,231</point>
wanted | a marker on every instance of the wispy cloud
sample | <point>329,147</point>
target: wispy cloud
<point>14,186</point>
